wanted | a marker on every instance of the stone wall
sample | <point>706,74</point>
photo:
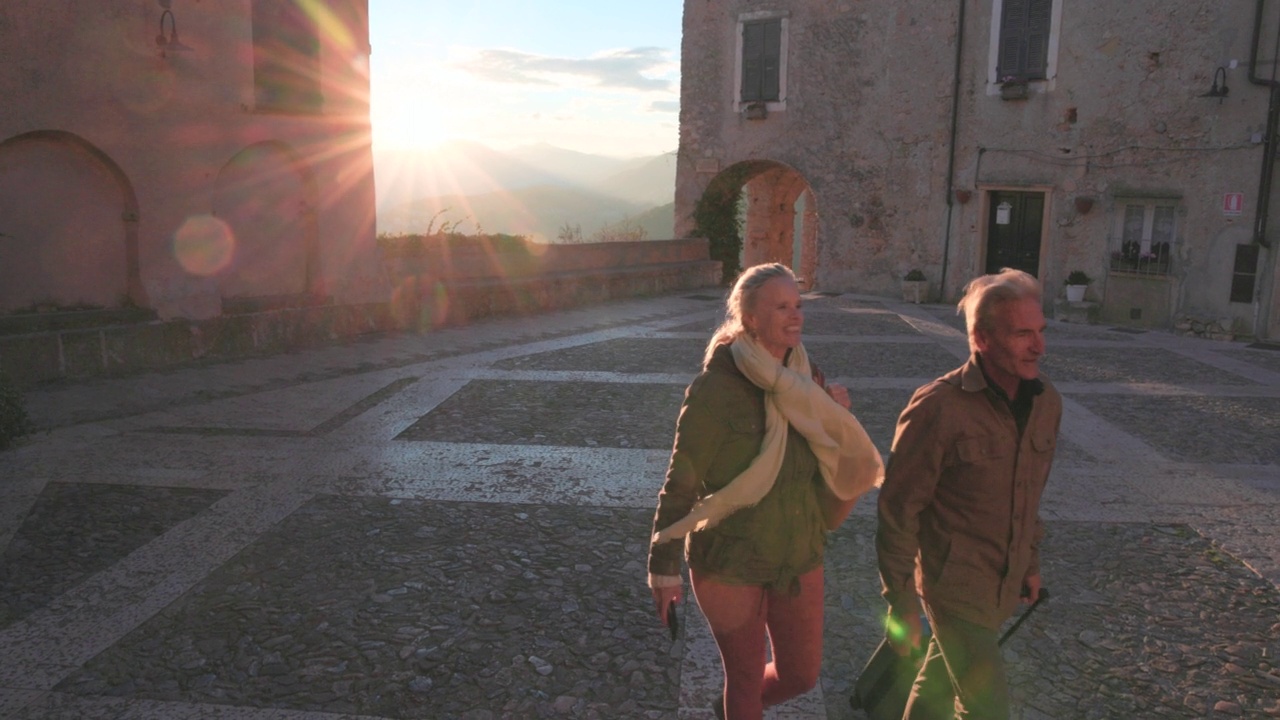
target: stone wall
<point>43,347</point>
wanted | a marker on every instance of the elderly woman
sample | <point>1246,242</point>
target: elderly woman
<point>767,460</point>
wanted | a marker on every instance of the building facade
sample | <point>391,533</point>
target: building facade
<point>186,156</point>
<point>1129,141</point>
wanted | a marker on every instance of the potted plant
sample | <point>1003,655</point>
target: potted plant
<point>1077,281</point>
<point>1013,87</point>
<point>915,287</point>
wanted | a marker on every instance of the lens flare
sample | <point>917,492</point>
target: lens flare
<point>204,245</point>
<point>895,629</point>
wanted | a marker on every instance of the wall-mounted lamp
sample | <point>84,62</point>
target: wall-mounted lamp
<point>1218,89</point>
<point>167,40</point>
<point>1084,204</point>
<point>963,195</point>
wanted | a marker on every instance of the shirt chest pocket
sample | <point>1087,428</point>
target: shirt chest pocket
<point>1043,442</point>
<point>980,450</point>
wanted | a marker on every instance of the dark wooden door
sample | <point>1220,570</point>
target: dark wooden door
<point>1013,231</point>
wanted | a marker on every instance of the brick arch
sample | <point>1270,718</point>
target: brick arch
<point>70,224</point>
<point>779,223</point>
<point>267,195</point>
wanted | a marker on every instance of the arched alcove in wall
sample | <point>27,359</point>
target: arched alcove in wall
<point>760,211</point>
<point>68,226</point>
<point>266,196</point>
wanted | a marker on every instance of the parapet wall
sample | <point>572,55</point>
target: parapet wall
<point>430,290</point>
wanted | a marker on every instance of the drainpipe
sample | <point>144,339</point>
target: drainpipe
<point>1268,147</point>
<point>951,149</point>
<point>1273,121</point>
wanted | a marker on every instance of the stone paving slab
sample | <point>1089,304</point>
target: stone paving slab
<point>490,488</point>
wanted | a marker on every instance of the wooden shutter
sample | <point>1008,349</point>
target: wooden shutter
<point>771,60</point>
<point>1039,15</point>
<point>761,59</point>
<point>1024,39</point>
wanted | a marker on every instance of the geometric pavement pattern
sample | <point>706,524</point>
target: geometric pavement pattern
<point>454,524</point>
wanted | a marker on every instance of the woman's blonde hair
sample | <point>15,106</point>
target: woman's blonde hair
<point>985,293</point>
<point>740,299</point>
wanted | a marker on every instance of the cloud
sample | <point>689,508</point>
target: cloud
<point>622,69</point>
<point>664,106</point>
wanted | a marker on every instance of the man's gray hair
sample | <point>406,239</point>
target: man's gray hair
<point>985,293</point>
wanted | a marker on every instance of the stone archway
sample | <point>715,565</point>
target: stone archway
<point>760,211</point>
<point>68,226</point>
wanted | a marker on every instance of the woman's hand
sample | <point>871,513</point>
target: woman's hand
<point>663,597</point>
<point>840,394</point>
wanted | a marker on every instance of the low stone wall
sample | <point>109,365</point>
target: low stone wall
<point>435,287</point>
<point>428,291</point>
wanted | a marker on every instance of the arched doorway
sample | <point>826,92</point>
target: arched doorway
<point>760,211</point>
<point>68,226</point>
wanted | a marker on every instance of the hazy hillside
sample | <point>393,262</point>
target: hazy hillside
<point>538,212</point>
<point>570,165</point>
<point>659,223</point>
<point>651,181</point>
<point>532,191</point>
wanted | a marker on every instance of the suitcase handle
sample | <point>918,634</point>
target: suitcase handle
<point>1044,595</point>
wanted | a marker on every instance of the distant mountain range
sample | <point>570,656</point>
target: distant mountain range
<point>534,190</point>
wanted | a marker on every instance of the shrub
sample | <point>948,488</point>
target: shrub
<point>1078,277</point>
<point>915,275</point>
<point>13,416</point>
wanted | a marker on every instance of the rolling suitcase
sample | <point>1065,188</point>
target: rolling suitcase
<point>882,689</point>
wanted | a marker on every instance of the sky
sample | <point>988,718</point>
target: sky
<point>595,76</point>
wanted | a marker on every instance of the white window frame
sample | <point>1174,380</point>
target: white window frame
<point>743,19</point>
<point>1051,61</point>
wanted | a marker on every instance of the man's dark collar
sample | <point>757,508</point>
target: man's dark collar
<point>1026,388</point>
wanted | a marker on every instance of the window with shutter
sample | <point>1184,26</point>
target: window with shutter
<point>286,58</point>
<point>761,60</point>
<point>1145,236</point>
<point>1024,39</point>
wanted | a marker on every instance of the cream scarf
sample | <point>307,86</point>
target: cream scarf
<point>849,462</point>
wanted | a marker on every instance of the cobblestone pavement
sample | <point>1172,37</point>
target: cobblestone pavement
<point>453,525</point>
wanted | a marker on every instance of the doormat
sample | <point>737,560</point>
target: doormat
<point>1263,346</point>
<point>1131,331</point>
<point>703,297</point>
<point>826,293</point>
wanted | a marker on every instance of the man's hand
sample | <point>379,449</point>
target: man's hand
<point>1030,589</point>
<point>663,597</point>
<point>903,629</point>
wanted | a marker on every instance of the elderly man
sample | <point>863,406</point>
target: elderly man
<point>959,523</point>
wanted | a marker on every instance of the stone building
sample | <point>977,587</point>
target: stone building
<point>191,157</point>
<point>1131,141</point>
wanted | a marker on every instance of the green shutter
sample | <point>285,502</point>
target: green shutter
<point>761,60</point>
<point>1024,39</point>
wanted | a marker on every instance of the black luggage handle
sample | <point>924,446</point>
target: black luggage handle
<point>1044,595</point>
